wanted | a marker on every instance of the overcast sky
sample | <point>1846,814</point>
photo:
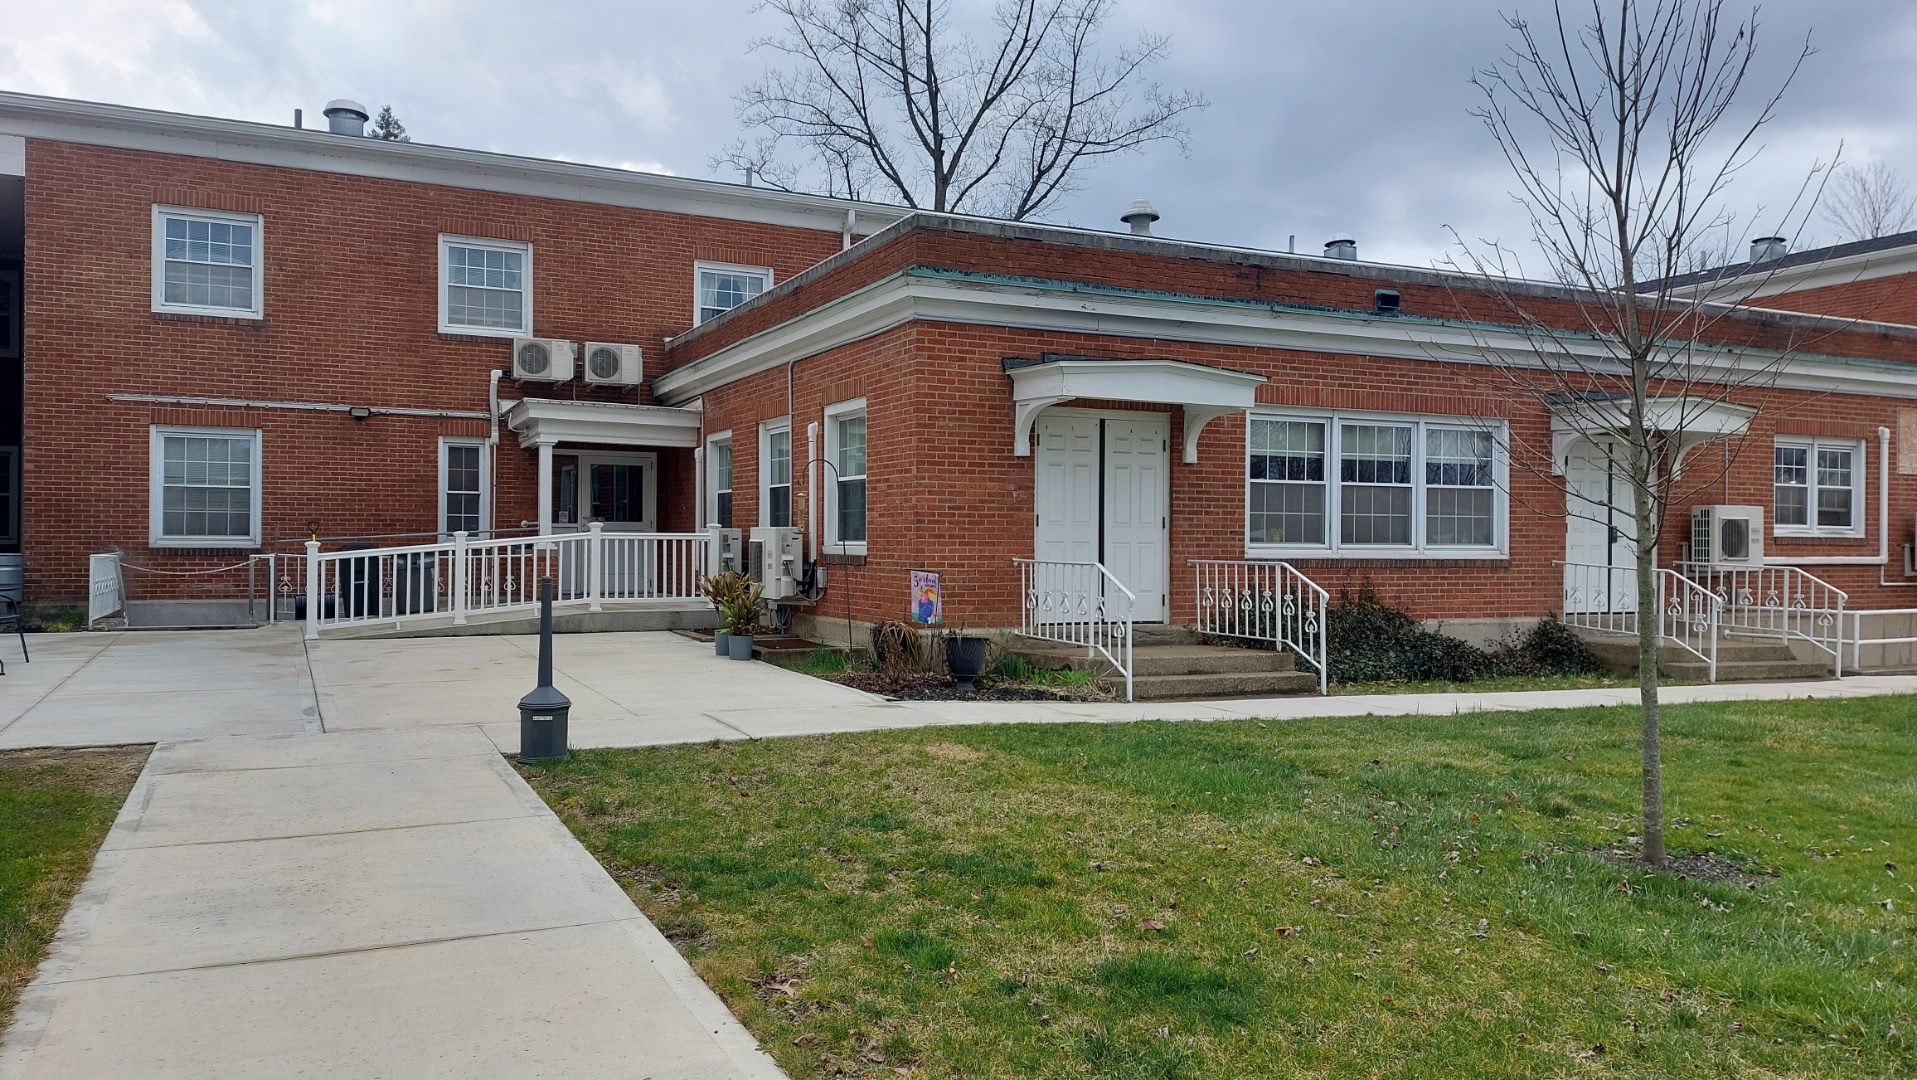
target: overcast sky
<point>1325,117</point>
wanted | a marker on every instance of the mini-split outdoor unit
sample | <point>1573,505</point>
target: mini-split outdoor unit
<point>542,359</point>
<point>608,364</point>
<point>1727,537</point>
<point>723,550</point>
<point>781,556</point>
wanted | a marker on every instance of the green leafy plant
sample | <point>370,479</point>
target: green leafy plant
<point>722,588</point>
<point>1371,641</point>
<point>742,610</point>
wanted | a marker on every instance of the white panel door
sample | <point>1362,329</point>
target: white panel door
<point>1136,515</point>
<point>1600,530</point>
<point>1066,462</point>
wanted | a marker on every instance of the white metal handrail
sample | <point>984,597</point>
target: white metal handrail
<point>1264,601</point>
<point>1882,639</point>
<point>1082,604</point>
<point>1784,602</point>
<point>1604,599</point>
<point>462,577</point>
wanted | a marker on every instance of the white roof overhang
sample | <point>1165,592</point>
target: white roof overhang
<point>1206,393</point>
<point>1694,422</point>
<point>544,421</point>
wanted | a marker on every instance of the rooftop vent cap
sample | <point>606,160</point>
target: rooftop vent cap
<point>1768,248</point>
<point>1139,215</point>
<point>345,116</point>
<point>1386,302</point>
<point>1341,246</point>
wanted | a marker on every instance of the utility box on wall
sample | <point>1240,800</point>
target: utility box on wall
<point>781,560</point>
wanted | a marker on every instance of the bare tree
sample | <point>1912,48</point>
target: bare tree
<point>1623,129</point>
<point>885,99</point>
<point>1869,202</point>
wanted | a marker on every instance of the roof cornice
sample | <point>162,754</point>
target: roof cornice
<point>122,127</point>
<point>945,296</point>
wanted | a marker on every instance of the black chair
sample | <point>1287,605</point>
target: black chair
<point>10,620</point>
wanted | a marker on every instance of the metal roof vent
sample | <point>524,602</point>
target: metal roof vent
<point>1768,248</point>
<point>344,116</point>
<point>1341,246</point>
<point>1387,302</point>
<point>1139,215</point>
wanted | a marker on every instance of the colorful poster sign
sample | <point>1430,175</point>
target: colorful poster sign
<point>926,606</point>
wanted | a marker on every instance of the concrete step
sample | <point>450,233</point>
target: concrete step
<point>1694,670</point>
<point>1163,634</point>
<point>1168,660</point>
<point>1738,658</point>
<point>1242,684</point>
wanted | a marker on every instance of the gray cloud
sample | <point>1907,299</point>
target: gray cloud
<point>1325,117</point>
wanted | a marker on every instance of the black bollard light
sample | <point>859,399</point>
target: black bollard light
<point>542,713</point>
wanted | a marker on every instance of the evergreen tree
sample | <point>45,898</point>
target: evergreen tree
<point>387,126</point>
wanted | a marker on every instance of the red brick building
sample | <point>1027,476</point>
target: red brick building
<point>320,330</point>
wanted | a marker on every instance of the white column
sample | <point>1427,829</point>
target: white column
<point>545,489</point>
<point>461,577</point>
<point>312,588</point>
<point>595,562</point>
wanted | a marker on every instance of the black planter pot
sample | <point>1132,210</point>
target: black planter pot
<point>966,657</point>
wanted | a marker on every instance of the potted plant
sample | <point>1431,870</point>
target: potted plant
<point>720,589</point>
<point>965,656</point>
<point>741,615</point>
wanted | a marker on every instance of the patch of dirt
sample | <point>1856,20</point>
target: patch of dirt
<point>954,752</point>
<point>1691,866</point>
<point>100,770</point>
<point>926,687</point>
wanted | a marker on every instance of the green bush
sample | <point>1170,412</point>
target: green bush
<point>1371,641</point>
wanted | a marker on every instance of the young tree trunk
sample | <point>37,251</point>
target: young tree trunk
<point>1650,619</point>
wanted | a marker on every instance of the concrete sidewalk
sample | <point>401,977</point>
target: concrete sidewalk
<point>369,904</point>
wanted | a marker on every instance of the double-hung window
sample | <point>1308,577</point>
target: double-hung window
<point>1817,487</point>
<point>1362,485</point>
<point>775,470</point>
<point>485,287</point>
<point>719,468</point>
<point>845,449</point>
<point>720,287</point>
<point>207,262</point>
<point>462,487</point>
<point>206,487</point>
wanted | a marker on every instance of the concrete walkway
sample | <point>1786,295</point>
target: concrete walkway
<point>328,870</point>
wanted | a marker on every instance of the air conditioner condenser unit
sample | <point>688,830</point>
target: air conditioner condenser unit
<point>542,359</point>
<point>724,550</point>
<point>781,556</point>
<point>609,364</point>
<point>1727,537</point>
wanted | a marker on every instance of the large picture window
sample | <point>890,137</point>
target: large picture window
<point>485,287</point>
<point>206,262</point>
<point>845,448</point>
<point>1817,487</point>
<point>206,488</point>
<point>1362,485</point>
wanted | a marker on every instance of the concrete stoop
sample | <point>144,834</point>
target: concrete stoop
<point>1171,663</point>
<point>1739,659</point>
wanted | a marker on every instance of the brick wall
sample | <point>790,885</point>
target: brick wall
<point>351,302</point>
<point>1886,299</point>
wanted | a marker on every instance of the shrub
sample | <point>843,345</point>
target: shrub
<point>1370,641</point>
<point>896,647</point>
<point>1549,648</point>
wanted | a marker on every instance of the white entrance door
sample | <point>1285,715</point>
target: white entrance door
<point>1600,531</point>
<point>1102,495</point>
<point>620,491</point>
<point>1136,515</point>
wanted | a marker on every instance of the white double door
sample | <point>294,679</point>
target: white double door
<point>1103,495</point>
<point>1600,544</point>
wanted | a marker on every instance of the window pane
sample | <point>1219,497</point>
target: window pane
<point>722,513</point>
<point>485,287</point>
<point>1833,508</point>
<point>1459,517</point>
<point>1287,450</point>
<point>1457,458</point>
<point>1287,513</point>
<point>1792,505</point>
<point>722,466</point>
<point>206,486</point>
<point>720,291</point>
<point>779,457</point>
<point>778,511</point>
<point>207,264</point>
<point>852,511</point>
<point>1375,454</point>
<point>1792,465</point>
<point>1374,515</point>
<point>852,446</point>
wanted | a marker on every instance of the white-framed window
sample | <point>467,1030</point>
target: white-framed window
<point>719,480</point>
<point>206,487</point>
<point>463,491</point>
<point>775,472</point>
<point>720,287</point>
<point>9,494</point>
<point>207,262</point>
<point>1372,485</point>
<point>845,449</point>
<point>485,287</point>
<point>1817,487</point>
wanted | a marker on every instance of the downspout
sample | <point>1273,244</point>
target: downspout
<point>1882,558</point>
<point>845,233</point>
<point>492,453</point>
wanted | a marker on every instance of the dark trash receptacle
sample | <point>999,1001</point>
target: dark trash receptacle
<point>359,584</point>
<point>413,583</point>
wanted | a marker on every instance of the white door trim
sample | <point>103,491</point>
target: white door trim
<point>649,498</point>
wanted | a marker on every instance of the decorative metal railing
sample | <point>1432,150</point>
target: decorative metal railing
<point>461,577</point>
<point>1081,604</point>
<point>1264,602</point>
<point>1778,601</point>
<point>1689,617</point>
<point>1604,599</point>
<point>1892,637</point>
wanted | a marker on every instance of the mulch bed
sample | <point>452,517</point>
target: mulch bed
<point>1691,866</point>
<point>926,687</point>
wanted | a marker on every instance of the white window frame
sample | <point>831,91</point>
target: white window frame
<point>1858,487</point>
<point>1332,548</point>
<point>700,267</point>
<point>711,496</point>
<point>448,241</point>
<point>161,212</point>
<point>485,485</point>
<point>156,493</point>
<point>766,430</point>
<point>833,414</point>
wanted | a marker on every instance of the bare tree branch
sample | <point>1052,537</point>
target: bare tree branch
<point>884,99</point>
<point>1869,202</point>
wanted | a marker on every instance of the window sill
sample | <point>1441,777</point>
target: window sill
<point>185,315</point>
<point>1819,537</point>
<point>849,558</point>
<point>208,545</point>
<point>474,333</point>
<point>1384,557</point>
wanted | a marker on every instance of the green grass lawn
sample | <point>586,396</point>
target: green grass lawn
<point>55,808</point>
<point>1364,897</point>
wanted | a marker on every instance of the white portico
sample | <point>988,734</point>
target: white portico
<point>599,478</point>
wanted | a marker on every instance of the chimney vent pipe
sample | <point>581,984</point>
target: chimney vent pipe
<point>1768,249</point>
<point>1341,246</point>
<point>1139,215</point>
<point>345,116</point>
